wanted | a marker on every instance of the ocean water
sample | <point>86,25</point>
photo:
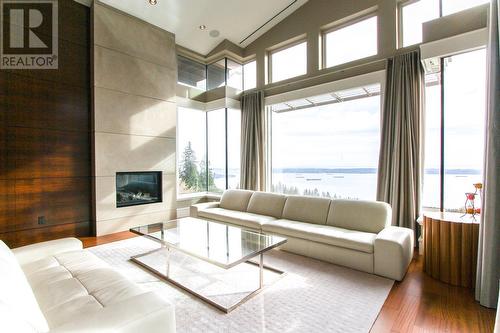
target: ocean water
<point>363,186</point>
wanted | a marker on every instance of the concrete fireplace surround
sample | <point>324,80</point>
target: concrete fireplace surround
<point>134,114</point>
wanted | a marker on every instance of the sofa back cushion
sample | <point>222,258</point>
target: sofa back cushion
<point>235,200</point>
<point>360,215</point>
<point>306,209</point>
<point>269,204</point>
<point>16,293</point>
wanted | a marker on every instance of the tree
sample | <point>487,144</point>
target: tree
<point>189,174</point>
<point>202,180</point>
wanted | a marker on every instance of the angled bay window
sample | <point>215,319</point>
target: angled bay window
<point>234,74</point>
<point>191,150</point>
<point>349,42</point>
<point>216,74</point>
<point>223,72</point>
<point>250,75</point>
<point>208,150</point>
<point>327,145</point>
<point>191,73</point>
<point>287,62</point>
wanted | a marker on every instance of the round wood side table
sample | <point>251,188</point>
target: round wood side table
<point>450,247</point>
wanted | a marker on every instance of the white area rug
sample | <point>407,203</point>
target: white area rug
<point>313,296</point>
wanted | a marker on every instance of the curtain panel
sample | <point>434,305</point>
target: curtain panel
<point>253,142</point>
<point>400,162</point>
<point>488,263</point>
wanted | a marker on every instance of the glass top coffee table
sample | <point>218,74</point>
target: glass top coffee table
<point>226,247</point>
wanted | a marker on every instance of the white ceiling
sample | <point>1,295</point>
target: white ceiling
<point>235,19</point>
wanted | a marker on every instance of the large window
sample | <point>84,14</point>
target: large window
<point>287,63</point>
<point>455,131</point>
<point>413,13</point>
<point>191,73</point>
<point>233,147</point>
<point>234,74</point>
<point>191,150</point>
<point>352,42</point>
<point>453,6</point>
<point>216,74</point>
<point>327,145</point>
<point>208,150</point>
<point>250,75</point>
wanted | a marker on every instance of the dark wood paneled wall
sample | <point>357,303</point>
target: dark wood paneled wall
<point>45,140</point>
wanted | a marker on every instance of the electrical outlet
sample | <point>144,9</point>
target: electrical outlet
<point>41,220</point>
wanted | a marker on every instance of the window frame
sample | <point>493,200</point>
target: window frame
<point>180,55</point>
<point>179,151</point>
<point>206,191</point>
<point>246,63</point>
<point>271,52</point>
<point>399,19</point>
<point>339,26</point>
<point>442,134</point>
<point>269,118</point>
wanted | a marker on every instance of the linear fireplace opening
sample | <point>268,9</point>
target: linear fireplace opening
<point>138,188</point>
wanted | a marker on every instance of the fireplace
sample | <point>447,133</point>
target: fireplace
<point>138,188</point>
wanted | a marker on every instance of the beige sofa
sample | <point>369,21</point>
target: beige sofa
<point>56,286</point>
<point>356,234</point>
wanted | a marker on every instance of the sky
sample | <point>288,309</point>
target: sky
<point>331,136</point>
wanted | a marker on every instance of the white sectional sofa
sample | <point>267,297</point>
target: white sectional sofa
<point>352,233</point>
<point>58,287</point>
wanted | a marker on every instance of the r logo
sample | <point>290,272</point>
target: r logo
<point>29,33</point>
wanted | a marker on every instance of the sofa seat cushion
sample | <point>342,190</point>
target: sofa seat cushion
<point>71,283</point>
<point>349,239</point>
<point>244,219</point>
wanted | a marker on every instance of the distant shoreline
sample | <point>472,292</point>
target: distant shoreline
<point>371,171</point>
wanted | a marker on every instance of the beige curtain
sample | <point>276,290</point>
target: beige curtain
<point>488,263</point>
<point>253,142</point>
<point>400,163</point>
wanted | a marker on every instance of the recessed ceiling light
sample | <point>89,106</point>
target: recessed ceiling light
<point>153,2</point>
<point>202,27</point>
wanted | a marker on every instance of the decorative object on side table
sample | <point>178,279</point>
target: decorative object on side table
<point>470,202</point>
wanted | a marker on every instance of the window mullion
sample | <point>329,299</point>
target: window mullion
<point>441,171</point>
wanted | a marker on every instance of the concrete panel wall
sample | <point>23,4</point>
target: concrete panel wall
<point>134,128</point>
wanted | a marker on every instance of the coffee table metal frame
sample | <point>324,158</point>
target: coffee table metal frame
<point>247,259</point>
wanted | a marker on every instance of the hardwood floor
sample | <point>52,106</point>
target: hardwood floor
<point>417,304</point>
<point>94,241</point>
<point>422,304</point>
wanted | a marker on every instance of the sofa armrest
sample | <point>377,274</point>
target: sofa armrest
<point>194,209</point>
<point>142,313</point>
<point>34,252</point>
<point>393,252</point>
